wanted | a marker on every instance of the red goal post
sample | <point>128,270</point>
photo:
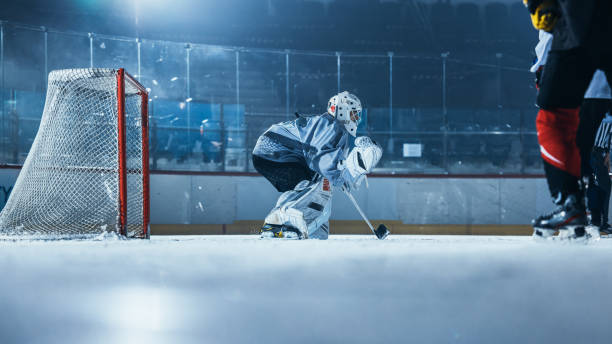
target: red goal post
<point>122,78</point>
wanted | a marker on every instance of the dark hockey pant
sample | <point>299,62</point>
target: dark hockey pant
<point>565,79</point>
<point>593,168</point>
<point>284,176</point>
<point>592,113</point>
<point>598,192</point>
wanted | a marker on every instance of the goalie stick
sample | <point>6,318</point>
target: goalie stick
<point>381,232</point>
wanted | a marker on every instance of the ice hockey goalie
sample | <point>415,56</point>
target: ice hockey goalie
<point>306,159</point>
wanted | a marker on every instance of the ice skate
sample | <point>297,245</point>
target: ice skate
<point>593,227</point>
<point>269,231</point>
<point>576,234</point>
<point>605,231</point>
<point>569,219</point>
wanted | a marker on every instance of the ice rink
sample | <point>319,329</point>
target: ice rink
<point>349,289</point>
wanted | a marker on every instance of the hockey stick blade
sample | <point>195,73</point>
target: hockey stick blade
<point>382,232</point>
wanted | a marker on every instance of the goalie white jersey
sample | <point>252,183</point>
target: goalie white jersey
<point>319,142</point>
<point>301,158</point>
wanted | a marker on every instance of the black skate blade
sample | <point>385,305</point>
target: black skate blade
<point>577,234</point>
<point>382,232</point>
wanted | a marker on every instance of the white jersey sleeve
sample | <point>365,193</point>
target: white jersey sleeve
<point>542,50</point>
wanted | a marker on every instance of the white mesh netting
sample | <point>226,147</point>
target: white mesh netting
<point>68,186</point>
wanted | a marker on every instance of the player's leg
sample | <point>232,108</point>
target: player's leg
<point>599,182</point>
<point>322,233</point>
<point>565,79</point>
<point>594,204</point>
<point>290,178</point>
<point>606,66</point>
<point>605,226</point>
<point>592,112</point>
<point>606,187</point>
<point>304,210</point>
<point>284,176</point>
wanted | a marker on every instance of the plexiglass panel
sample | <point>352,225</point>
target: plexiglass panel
<point>24,59</point>
<point>263,85</point>
<point>417,81</point>
<point>24,83</point>
<point>212,86</point>
<point>368,78</point>
<point>414,152</point>
<point>68,51</point>
<point>431,113</point>
<point>313,80</point>
<point>116,53</point>
<point>473,85</point>
<point>164,73</point>
<point>413,130</point>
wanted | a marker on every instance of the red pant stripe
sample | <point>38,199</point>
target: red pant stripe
<point>557,137</point>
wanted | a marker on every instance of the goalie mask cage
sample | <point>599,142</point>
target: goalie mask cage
<point>87,172</point>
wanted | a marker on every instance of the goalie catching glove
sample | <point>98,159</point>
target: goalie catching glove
<point>544,13</point>
<point>361,160</point>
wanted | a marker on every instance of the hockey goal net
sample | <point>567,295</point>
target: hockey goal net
<point>87,171</point>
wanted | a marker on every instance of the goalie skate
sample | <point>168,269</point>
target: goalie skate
<point>280,232</point>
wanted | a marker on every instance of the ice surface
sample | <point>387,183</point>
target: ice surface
<point>349,289</point>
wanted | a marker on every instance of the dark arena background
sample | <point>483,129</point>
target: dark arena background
<point>447,93</point>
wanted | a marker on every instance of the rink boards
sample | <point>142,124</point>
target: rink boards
<point>345,227</point>
<point>411,204</point>
<point>196,203</point>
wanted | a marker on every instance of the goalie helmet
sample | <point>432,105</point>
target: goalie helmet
<point>346,108</point>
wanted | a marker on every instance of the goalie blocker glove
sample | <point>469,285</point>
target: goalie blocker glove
<point>361,160</point>
<point>544,13</point>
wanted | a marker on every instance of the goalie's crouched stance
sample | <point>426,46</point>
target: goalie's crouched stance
<point>306,159</point>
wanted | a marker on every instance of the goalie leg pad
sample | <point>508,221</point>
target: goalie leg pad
<point>306,208</point>
<point>321,233</point>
